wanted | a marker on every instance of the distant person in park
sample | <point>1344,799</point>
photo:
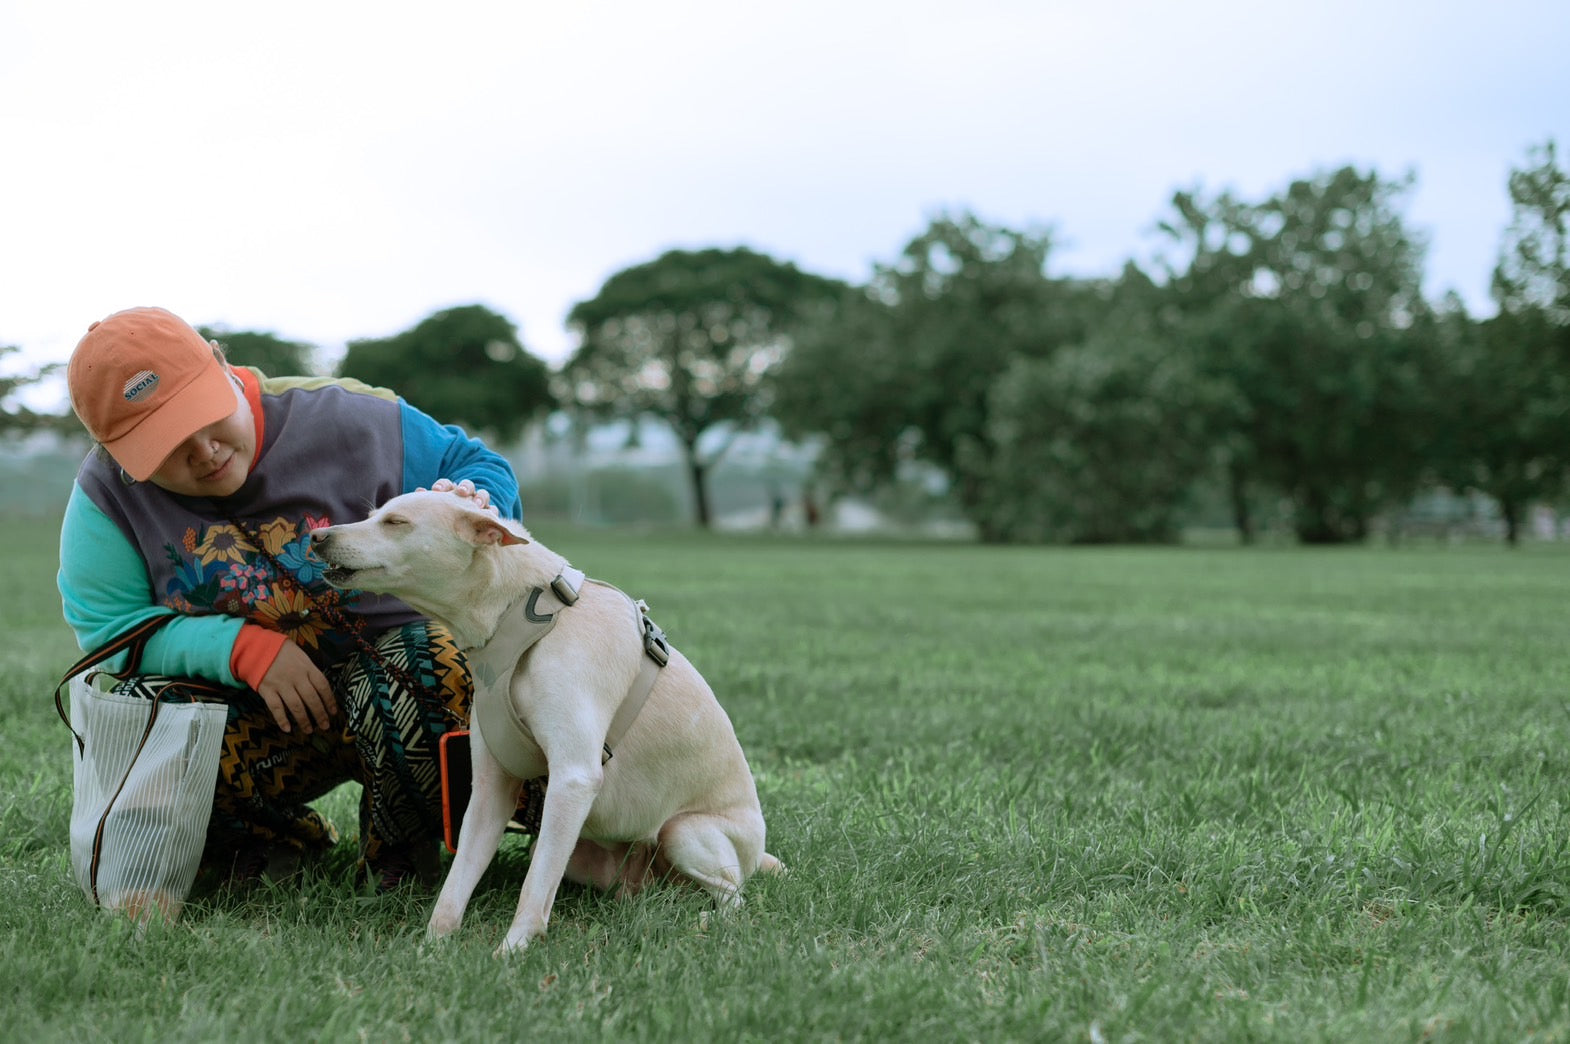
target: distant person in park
<point>776,507</point>
<point>198,501</point>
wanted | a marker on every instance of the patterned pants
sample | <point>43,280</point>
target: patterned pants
<point>388,744</point>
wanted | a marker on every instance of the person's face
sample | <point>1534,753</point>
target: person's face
<point>214,461</point>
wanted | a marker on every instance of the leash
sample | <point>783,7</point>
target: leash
<point>347,623</point>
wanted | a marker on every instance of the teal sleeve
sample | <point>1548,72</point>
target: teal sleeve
<point>104,592</point>
<point>432,451</point>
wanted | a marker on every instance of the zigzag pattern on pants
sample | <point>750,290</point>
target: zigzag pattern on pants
<point>397,732</point>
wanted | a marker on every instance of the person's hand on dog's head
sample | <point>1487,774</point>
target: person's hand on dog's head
<point>465,488</point>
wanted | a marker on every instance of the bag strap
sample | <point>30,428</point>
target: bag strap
<point>133,642</point>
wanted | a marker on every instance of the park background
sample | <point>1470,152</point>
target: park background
<point>1051,310</point>
<point>1022,273</point>
<point>1277,371</point>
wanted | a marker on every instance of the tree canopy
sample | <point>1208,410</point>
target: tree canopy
<point>1302,305</point>
<point>1508,386</point>
<point>15,417</point>
<point>1279,358</point>
<point>1100,443</point>
<point>267,352</point>
<point>463,365</point>
<point>690,338</point>
<point>904,369</point>
<point>1533,272</point>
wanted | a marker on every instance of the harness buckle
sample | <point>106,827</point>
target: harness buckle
<point>565,589</point>
<point>654,643</point>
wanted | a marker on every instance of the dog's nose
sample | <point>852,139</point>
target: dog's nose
<point>320,536</point>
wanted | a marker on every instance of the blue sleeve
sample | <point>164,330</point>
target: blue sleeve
<point>104,592</point>
<point>432,451</point>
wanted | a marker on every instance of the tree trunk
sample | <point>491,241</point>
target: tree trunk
<point>1511,509</point>
<point>1319,522</point>
<point>1237,489</point>
<point>698,473</point>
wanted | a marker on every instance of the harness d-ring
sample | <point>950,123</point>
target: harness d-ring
<point>528,610</point>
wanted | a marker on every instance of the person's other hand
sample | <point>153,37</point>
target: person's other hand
<point>465,488</point>
<point>296,690</point>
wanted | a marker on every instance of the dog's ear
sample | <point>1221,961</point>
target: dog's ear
<point>501,532</point>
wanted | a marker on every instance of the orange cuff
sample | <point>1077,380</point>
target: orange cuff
<point>255,649</point>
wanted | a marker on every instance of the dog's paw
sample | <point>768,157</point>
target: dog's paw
<point>508,948</point>
<point>519,936</point>
<point>441,926</point>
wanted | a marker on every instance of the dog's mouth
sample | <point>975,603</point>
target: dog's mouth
<point>338,575</point>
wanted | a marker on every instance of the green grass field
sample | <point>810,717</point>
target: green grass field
<point>1025,794</point>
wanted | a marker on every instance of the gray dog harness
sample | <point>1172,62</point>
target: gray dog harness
<point>525,622</point>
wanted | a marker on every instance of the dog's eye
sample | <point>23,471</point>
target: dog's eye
<point>394,520</point>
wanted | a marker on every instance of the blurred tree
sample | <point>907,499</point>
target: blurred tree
<point>1304,305</point>
<point>17,418</point>
<point>1214,239</point>
<point>1533,272</point>
<point>267,352</point>
<point>903,370</point>
<point>1509,389</point>
<point>690,338</point>
<point>463,365</point>
<point>846,378</point>
<point>1100,443</point>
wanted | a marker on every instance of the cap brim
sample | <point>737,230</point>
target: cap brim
<point>207,399</point>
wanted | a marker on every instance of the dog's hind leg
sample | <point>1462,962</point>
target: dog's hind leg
<point>712,851</point>
<point>625,867</point>
<point>492,800</point>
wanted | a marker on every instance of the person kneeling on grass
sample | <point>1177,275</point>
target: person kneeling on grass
<point>198,501</point>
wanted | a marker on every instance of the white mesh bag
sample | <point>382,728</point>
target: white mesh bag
<point>145,769</point>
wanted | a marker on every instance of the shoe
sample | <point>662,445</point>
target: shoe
<point>401,865</point>
<point>249,865</point>
<point>283,863</point>
<point>258,861</point>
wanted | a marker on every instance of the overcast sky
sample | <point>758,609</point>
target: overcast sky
<point>333,170</point>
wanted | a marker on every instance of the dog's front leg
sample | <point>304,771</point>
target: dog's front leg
<point>492,798</point>
<point>568,798</point>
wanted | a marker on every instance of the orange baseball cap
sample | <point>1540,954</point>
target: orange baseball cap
<point>143,381</point>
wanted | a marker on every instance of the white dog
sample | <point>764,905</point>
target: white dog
<point>676,793</point>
